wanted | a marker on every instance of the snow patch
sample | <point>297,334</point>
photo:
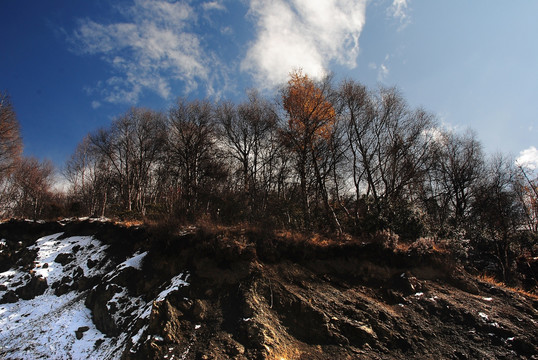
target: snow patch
<point>134,262</point>
<point>175,283</point>
<point>49,247</point>
<point>44,327</point>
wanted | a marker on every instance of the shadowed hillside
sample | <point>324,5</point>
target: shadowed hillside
<point>95,289</point>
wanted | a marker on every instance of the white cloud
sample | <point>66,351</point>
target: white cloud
<point>382,72</point>
<point>528,158</point>
<point>304,34</point>
<point>213,5</point>
<point>226,30</point>
<point>398,10</point>
<point>96,104</point>
<point>148,51</point>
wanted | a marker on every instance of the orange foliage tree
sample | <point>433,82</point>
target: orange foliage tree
<point>311,116</point>
<point>310,126</point>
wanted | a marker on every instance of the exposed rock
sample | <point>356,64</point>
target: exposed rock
<point>25,258</point>
<point>199,311</point>
<point>79,333</point>
<point>9,297</point>
<point>463,284</point>
<point>97,301</point>
<point>523,346</point>
<point>63,286</point>
<point>64,258</point>
<point>61,289</point>
<point>35,287</point>
<point>91,263</point>
<point>404,283</point>
<point>84,283</point>
<point>78,273</point>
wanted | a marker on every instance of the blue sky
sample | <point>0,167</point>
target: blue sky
<point>71,66</point>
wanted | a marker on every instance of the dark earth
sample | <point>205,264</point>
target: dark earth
<point>256,294</point>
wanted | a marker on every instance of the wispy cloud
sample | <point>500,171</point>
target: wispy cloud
<point>399,10</point>
<point>213,5</point>
<point>307,34</point>
<point>382,69</point>
<point>528,158</point>
<point>152,47</point>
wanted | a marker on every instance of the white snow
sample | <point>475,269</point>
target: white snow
<point>134,262</point>
<point>483,315</point>
<point>50,247</point>
<point>175,283</point>
<point>44,327</point>
<point>487,299</point>
<point>138,335</point>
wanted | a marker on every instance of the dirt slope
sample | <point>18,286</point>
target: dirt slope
<point>241,295</point>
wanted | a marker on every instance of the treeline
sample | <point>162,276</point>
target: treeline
<point>338,158</point>
<point>328,157</point>
<point>25,182</point>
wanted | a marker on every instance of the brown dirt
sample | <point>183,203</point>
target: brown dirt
<point>263,296</point>
<point>345,301</point>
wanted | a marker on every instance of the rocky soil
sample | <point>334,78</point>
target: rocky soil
<point>237,294</point>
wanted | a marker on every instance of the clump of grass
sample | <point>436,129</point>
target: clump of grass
<point>492,281</point>
<point>129,223</point>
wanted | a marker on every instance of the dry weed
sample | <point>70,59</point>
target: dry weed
<point>492,281</point>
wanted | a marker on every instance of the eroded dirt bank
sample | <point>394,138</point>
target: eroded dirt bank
<point>252,295</point>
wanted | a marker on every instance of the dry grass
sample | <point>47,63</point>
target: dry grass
<point>423,245</point>
<point>312,239</point>
<point>129,223</point>
<point>492,281</point>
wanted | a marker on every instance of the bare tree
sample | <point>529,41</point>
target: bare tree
<point>10,138</point>
<point>496,213</point>
<point>10,152</point>
<point>358,112</point>
<point>131,147</point>
<point>91,177</point>
<point>390,151</point>
<point>191,147</point>
<point>459,167</point>
<point>527,192</point>
<point>245,130</point>
<point>32,180</point>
